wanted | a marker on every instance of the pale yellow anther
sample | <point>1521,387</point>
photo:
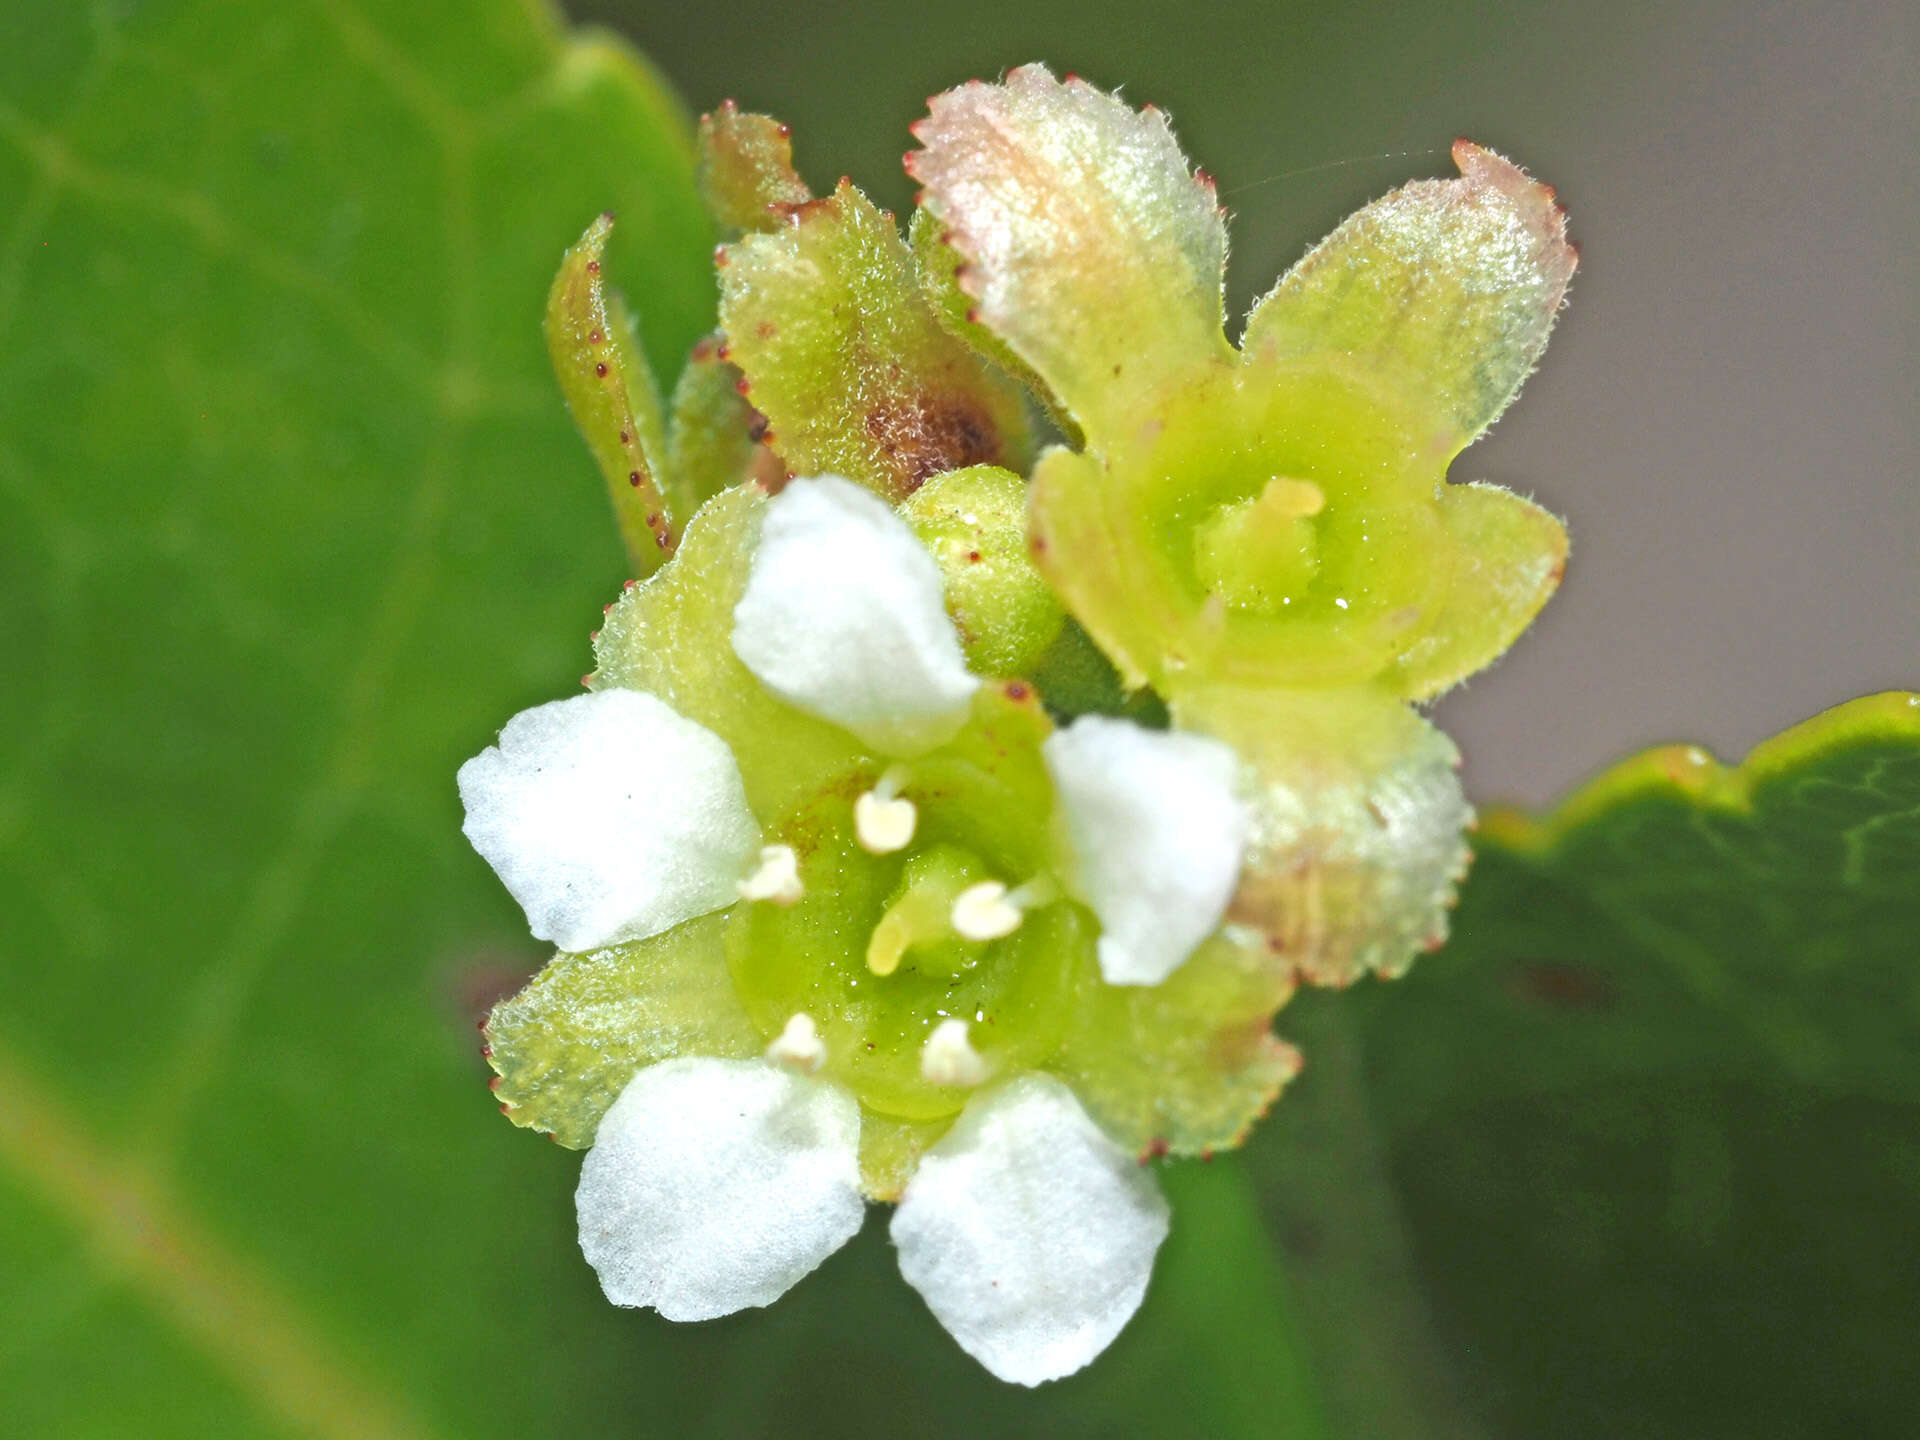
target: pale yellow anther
<point>1294,499</point>
<point>799,1047</point>
<point>948,1057</point>
<point>777,879</point>
<point>888,943</point>
<point>984,912</point>
<point>883,825</point>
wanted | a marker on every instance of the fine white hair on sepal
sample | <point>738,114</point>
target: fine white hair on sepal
<point>609,817</point>
<point>844,616</point>
<point>1028,1232</point>
<point>715,1185</point>
<point>1158,832</point>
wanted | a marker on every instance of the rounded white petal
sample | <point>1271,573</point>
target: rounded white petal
<point>1158,832</point>
<point>843,616</point>
<point>1029,1233</point>
<point>714,1185</point>
<point>610,817</point>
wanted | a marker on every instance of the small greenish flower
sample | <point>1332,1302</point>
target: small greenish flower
<point>936,834</point>
<point>1264,533</point>
<point>837,916</point>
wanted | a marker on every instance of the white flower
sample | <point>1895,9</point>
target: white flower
<point>716,1184</point>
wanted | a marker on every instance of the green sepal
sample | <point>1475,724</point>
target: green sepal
<point>672,636</point>
<point>890,1151</point>
<point>1443,292</point>
<point>1508,557</point>
<point>1090,247</point>
<point>984,800</point>
<point>941,269</point>
<point>566,1046</point>
<point>1129,534</point>
<point>843,355</point>
<point>974,523</point>
<point>1186,1066</point>
<point>610,390</point>
<point>746,169</point>
<point>1358,836</point>
<point>715,437</point>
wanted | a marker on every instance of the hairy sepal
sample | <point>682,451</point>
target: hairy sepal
<point>827,318</point>
<point>611,392</point>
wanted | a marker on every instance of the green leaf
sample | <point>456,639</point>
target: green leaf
<point>1636,1154</point>
<point>292,517</point>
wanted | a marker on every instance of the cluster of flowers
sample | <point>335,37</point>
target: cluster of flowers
<point>946,822</point>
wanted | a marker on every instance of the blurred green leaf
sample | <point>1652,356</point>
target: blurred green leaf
<point>291,519</point>
<point>1639,1152</point>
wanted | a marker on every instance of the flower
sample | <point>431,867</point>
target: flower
<point>933,835</point>
<point>1264,533</point>
<point>830,906</point>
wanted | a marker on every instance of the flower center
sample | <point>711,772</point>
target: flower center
<point>1296,516</point>
<point>1261,553</point>
<point>928,954</point>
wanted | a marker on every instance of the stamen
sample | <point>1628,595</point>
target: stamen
<point>777,879</point>
<point>1042,890</point>
<point>919,914</point>
<point>985,912</point>
<point>892,781</point>
<point>799,1047</point>
<point>888,943</point>
<point>883,821</point>
<point>1293,499</point>
<point>948,1058</point>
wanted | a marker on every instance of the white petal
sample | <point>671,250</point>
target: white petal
<point>1028,1232</point>
<point>610,817</point>
<point>1157,832</point>
<point>843,616</point>
<point>714,1185</point>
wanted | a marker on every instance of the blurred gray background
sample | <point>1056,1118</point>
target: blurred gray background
<point>1727,414</point>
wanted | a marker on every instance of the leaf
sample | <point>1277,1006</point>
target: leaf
<point>1639,1145</point>
<point>292,517</point>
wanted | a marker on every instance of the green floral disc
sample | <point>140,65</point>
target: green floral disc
<point>869,952</point>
